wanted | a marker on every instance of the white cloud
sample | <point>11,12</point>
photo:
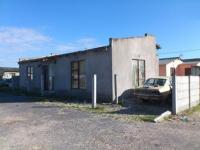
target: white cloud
<point>18,43</point>
<point>20,39</point>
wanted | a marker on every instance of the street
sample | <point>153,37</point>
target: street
<point>25,124</point>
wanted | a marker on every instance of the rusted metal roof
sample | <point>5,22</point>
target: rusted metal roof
<point>52,57</point>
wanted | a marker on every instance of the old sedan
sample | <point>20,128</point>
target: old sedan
<point>157,89</point>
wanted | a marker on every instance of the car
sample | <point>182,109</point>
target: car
<point>155,89</point>
<point>6,83</point>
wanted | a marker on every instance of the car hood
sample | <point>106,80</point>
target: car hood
<point>149,88</point>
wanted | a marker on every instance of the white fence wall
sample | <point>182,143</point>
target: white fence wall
<point>186,92</point>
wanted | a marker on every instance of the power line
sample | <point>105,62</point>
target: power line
<point>185,51</point>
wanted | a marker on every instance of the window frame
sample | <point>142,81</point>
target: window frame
<point>138,70</point>
<point>30,73</point>
<point>78,75</point>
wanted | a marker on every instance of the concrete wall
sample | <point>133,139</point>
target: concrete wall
<point>30,85</point>
<point>126,49</point>
<point>186,92</point>
<point>97,62</point>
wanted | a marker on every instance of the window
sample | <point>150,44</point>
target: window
<point>155,82</point>
<point>138,72</point>
<point>187,71</point>
<point>78,75</point>
<point>30,73</point>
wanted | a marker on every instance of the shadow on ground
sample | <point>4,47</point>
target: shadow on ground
<point>139,108</point>
<point>9,98</point>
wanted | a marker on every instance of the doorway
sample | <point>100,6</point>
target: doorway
<point>45,72</point>
<point>138,72</point>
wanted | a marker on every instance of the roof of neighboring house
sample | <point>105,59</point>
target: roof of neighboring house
<point>191,60</point>
<point>8,69</point>
<point>163,61</point>
<point>45,58</point>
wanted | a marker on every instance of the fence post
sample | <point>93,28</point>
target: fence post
<point>199,89</point>
<point>174,111</point>
<point>189,90</point>
<point>116,97</point>
<point>94,91</point>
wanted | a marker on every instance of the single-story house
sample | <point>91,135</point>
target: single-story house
<point>120,66</point>
<point>168,66</point>
<point>8,72</point>
<point>190,67</point>
<point>179,67</point>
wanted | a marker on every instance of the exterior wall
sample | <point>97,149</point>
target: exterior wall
<point>35,84</point>
<point>174,64</point>
<point>123,51</point>
<point>180,71</point>
<point>97,62</point>
<point>162,70</point>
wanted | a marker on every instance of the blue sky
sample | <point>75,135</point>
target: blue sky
<point>30,28</point>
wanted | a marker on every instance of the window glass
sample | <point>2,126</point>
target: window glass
<point>30,73</point>
<point>75,75</point>
<point>135,73</point>
<point>75,84</point>
<point>155,82</point>
<point>141,72</point>
<point>138,72</point>
<point>78,75</point>
<point>75,66</point>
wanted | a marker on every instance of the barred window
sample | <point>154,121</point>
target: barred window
<point>30,72</point>
<point>78,75</point>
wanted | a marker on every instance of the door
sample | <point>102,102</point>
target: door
<point>138,72</point>
<point>46,77</point>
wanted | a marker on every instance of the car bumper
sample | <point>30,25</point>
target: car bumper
<point>148,96</point>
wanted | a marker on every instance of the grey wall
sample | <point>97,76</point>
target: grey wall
<point>126,49</point>
<point>27,84</point>
<point>97,62</point>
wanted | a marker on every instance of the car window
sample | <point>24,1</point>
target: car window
<point>155,82</point>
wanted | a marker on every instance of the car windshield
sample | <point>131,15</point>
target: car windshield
<point>155,82</point>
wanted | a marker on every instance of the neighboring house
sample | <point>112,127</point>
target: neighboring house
<point>190,67</point>
<point>179,67</point>
<point>168,66</point>
<point>120,66</point>
<point>8,73</point>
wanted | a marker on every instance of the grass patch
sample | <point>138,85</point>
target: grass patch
<point>106,110</point>
<point>195,109</point>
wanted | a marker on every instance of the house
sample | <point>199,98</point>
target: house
<point>120,66</point>
<point>8,73</point>
<point>190,67</point>
<point>179,67</point>
<point>168,66</point>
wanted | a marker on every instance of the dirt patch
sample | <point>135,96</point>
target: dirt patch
<point>11,120</point>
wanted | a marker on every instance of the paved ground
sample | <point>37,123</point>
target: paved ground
<point>28,125</point>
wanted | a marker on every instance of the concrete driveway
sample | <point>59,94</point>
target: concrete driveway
<point>25,125</point>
